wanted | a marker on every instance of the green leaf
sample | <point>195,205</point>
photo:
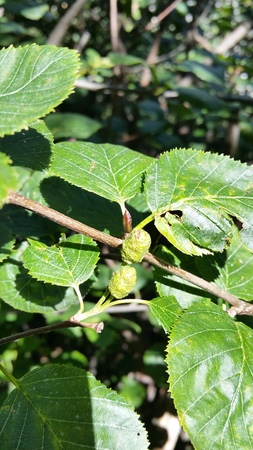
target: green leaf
<point>6,242</point>
<point>29,10</point>
<point>210,365</point>
<point>206,73</point>
<point>111,171</point>
<point>64,407</point>
<point>70,125</point>
<point>8,177</point>
<point>201,189</point>
<point>22,292</point>
<point>232,271</point>
<point>29,148</point>
<point>171,285</point>
<point>69,263</point>
<point>200,98</point>
<point>166,310</point>
<point>33,80</point>
<point>88,208</point>
<point>20,222</point>
<point>124,60</point>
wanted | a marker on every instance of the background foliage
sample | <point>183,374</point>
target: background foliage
<point>152,84</point>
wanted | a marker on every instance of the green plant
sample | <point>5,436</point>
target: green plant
<point>193,200</point>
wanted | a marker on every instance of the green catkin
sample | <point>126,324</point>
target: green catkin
<point>122,282</point>
<point>135,246</point>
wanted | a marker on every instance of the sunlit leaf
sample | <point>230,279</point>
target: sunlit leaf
<point>211,375</point>
<point>8,177</point>
<point>111,171</point>
<point>69,263</point>
<point>33,80</point>
<point>192,194</point>
<point>60,406</point>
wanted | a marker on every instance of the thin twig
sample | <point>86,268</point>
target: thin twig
<point>68,222</point>
<point>71,323</point>
<point>162,15</point>
<point>238,306</point>
<point>57,34</point>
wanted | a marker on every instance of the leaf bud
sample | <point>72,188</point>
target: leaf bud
<point>122,282</point>
<point>135,246</point>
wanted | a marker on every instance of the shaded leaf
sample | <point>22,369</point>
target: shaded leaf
<point>170,285</point>
<point>69,263</point>
<point>203,72</point>
<point>6,241</point>
<point>82,205</point>
<point>111,171</point>
<point>210,365</point>
<point>66,407</point>
<point>8,177</point>
<point>19,290</point>
<point>233,272</point>
<point>34,79</point>
<point>202,189</point>
<point>124,59</point>
<point>29,148</point>
<point>166,310</point>
<point>72,125</point>
<point>199,98</point>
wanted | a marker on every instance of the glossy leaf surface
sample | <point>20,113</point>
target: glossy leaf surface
<point>69,263</point>
<point>8,177</point>
<point>65,407</point>
<point>111,171</point>
<point>202,189</point>
<point>211,375</point>
<point>33,80</point>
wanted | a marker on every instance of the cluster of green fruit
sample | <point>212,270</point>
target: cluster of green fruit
<point>134,247</point>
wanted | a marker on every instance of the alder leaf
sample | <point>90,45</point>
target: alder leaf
<point>166,310</point>
<point>8,177</point>
<point>170,285</point>
<point>111,171</point>
<point>211,376</point>
<point>193,194</point>
<point>69,263</point>
<point>19,290</point>
<point>6,242</point>
<point>231,271</point>
<point>33,80</point>
<point>29,148</point>
<point>64,407</point>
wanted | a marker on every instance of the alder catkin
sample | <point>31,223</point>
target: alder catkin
<point>135,246</point>
<point>122,282</point>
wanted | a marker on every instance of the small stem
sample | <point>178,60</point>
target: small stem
<point>80,298</point>
<point>129,300</point>
<point>9,376</point>
<point>101,307</point>
<point>144,222</point>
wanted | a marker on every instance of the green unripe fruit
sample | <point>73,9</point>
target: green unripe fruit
<point>122,282</point>
<point>135,246</point>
